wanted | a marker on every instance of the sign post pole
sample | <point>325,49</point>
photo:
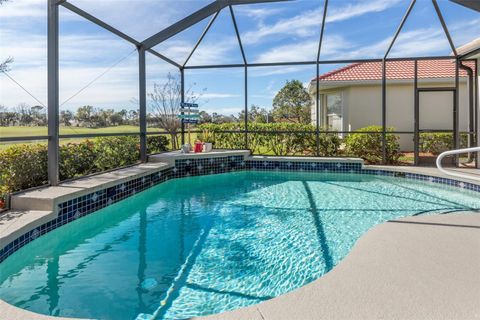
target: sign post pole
<point>189,115</point>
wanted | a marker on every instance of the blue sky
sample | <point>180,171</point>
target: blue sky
<point>272,32</point>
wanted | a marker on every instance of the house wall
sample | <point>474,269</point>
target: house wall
<point>362,105</point>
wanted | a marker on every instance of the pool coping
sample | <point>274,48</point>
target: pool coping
<point>21,219</point>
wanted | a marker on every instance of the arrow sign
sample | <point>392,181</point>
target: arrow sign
<point>188,110</point>
<point>188,116</point>
<point>193,121</point>
<point>188,105</point>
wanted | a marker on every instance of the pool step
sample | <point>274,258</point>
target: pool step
<point>15,223</point>
<point>47,198</point>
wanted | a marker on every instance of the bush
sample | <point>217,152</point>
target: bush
<point>24,166</point>
<point>225,140</point>
<point>157,144</point>
<point>437,142</point>
<point>77,159</point>
<point>369,146</point>
<point>293,138</point>
<point>113,152</point>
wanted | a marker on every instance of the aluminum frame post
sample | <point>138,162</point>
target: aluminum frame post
<point>53,93</point>
<point>477,132</point>
<point>384,112</point>
<point>317,111</point>
<point>317,88</point>
<point>246,107</point>
<point>182,99</point>
<point>142,103</point>
<point>456,119</point>
<point>416,115</point>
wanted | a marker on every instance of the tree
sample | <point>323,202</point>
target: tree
<point>24,114</point>
<point>4,66</point>
<point>256,114</point>
<point>204,117</point>
<point>292,103</point>
<point>165,105</point>
<point>115,119</point>
<point>85,115</point>
<point>66,117</point>
<point>124,114</point>
<point>39,116</point>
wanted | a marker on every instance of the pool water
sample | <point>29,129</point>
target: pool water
<point>203,245</point>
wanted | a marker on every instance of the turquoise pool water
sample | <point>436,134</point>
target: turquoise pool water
<point>203,245</point>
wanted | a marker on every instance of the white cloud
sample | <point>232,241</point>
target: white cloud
<point>222,51</point>
<point>213,95</point>
<point>256,12</point>
<point>23,8</point>
<point>302,25</point>
<point>358,9</point>
<point>308,23</point>
<point>306,50</point>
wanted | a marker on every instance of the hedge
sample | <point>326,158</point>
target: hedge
<point>274,138</point>
<point>437,142</point>
<point>24,166</point>
<point>369,146</point>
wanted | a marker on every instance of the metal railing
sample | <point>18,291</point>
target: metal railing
<point>455,152</point>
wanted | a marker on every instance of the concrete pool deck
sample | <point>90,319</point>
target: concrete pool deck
<point>424,267</point>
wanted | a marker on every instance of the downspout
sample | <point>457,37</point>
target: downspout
<point>471,120</point>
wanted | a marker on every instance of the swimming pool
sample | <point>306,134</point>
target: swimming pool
<point>206,244</point>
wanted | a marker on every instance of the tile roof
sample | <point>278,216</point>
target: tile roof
<point>396,70</point>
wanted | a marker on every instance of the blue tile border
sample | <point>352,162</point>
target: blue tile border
<point>76,208</point>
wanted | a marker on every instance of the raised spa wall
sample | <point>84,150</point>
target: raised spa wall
<point>39,211</point>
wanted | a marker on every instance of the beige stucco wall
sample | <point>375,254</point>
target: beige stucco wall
<point>362,106</point>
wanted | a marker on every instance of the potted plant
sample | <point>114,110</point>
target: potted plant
<point>207,138</point>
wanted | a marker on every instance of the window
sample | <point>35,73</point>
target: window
<point>334,111</point>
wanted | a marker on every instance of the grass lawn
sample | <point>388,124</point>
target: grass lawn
<point>42,131</point>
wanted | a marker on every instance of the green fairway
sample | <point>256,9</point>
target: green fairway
<point>6,132</point>
<point>42,131</point>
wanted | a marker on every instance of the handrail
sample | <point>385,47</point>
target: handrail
<point>453,152</point>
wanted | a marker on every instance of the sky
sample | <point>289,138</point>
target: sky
<point>271,32</point>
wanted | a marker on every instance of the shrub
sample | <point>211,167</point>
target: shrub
<point>225,140</point>
<point>329,144</point>
<point>77,159</point>
<point>275,138</point>
<point>24,166</point>
<point>113,152</point>
<point>369,146</point>
<point>157,144</point>
<point>437,142</point>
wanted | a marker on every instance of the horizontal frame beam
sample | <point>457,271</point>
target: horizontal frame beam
<point>29,138</point>
<point>95,135</point>
<point>297,63</point>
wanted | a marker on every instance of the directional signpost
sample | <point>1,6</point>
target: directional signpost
<point>189,115</point>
